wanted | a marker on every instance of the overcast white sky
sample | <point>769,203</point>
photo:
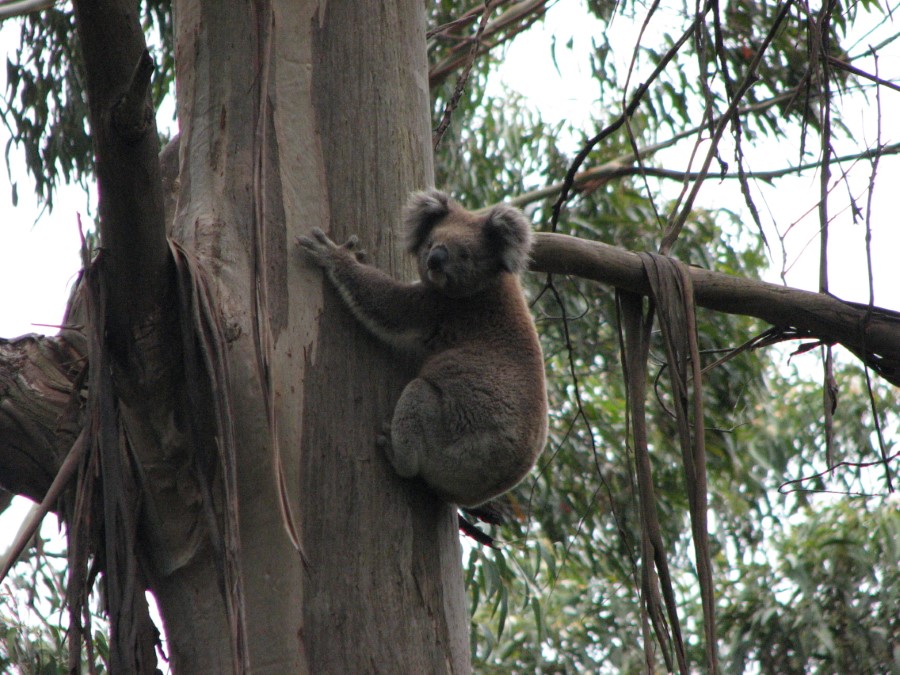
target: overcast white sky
<point>528,69</point>
<point>39,256</point>
<point>40,259</point>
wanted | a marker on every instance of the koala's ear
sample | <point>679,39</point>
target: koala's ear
<point>423,211</point>
<point>508,233</point>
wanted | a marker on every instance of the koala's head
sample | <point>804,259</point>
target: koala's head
<point>460,252</point>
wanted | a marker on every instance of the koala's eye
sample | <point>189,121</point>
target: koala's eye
<point>463,254</point>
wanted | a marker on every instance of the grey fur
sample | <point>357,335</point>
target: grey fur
<point>423,210</point>
<point>473,421</point>
<point>511,234</point>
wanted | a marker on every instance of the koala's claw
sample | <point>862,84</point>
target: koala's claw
<point>352,245</point>
<point>321,249</point>
<point>317,243</point>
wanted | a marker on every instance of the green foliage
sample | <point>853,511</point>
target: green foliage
<point>45,108</point>
<point>496,129</point>
<point>823,597</point>
<point>562,593</point>
<point>33,619</point>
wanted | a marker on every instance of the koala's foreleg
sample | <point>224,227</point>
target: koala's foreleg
<point>391,310</point>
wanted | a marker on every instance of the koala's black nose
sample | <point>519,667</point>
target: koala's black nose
<point>437,258</point>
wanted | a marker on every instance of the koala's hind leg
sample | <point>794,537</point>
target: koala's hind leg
<point>415,427</point>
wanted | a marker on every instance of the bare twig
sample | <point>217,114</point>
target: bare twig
<point>510,23</point>
<point>856,465</point>
<point>676,222</point>
<point>629,110</point>
<point>36,515</point>
<point>819,47</point>
<point>876,418</point>
<point>462,79</point>
<point>620,167</point>
<point>859,72</point>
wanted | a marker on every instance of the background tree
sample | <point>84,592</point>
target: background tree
<point>290,117</point>
<point>571,581</point>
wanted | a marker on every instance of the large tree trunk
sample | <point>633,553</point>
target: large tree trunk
<point>291,116</point>
<point>246,489</point>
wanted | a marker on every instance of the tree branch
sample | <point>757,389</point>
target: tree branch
<point>859,72</point>
<point>37,376</point>
<point>132,222</point>
<point>11,8</point>
<point>872,335</point>
<point>516,19</point>
<point>625,166</point>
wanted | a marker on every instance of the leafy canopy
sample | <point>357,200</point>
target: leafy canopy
<point>806,571</point>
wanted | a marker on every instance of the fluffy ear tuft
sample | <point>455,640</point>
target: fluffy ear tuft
<point>508,232</point>
<point>422,212</point>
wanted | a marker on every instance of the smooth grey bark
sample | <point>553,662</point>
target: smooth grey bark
<point>291,116</point>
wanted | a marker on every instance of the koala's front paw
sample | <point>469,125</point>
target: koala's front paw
<point>318,247</point>
<point>322,251</point>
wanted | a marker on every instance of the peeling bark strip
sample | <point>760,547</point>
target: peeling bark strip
<point>204,360</point>
<point>125,292</point>
<point>107,506</point>
<point>673,297</point>
<point>657,593</point>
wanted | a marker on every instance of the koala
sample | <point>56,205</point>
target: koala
<point>473,421</point>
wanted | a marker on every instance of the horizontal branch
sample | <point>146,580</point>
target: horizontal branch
<point>872,335</point>
<point>11,8</point>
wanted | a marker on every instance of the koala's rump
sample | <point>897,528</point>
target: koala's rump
<point>484,391</point>
<point>485,375</point>
<point>493,410</point>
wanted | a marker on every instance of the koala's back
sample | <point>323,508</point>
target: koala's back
<point>484,361</point>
